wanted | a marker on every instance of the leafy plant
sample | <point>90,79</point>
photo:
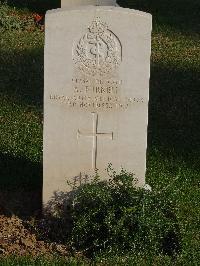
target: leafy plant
<point>11,20</point>
<point>116,216</point>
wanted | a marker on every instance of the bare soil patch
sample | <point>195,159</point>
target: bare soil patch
<point>16,239</point>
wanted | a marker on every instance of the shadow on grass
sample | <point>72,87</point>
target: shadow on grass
<point>22,76</point>
<point>20,186</point>
<point>174,110</point>
<point>179,14</point>
<point>39,6</point>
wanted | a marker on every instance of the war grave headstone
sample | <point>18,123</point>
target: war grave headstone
<point>75,3</point>
<point>97,69</point>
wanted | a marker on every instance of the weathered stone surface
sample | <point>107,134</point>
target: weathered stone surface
<point>97,67</point>
<point>75,3</point>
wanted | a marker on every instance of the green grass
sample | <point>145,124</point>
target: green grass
<point>21,93</point>
<point>34,5</point>
<point>129,260</point>
<point>174,111</point>
<point>13,261</point>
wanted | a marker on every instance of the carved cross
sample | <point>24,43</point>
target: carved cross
<point>94,135</point>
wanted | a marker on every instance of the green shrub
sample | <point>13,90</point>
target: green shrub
<point>112,217</point>
<point>116,216</point>
<point>11,20</point>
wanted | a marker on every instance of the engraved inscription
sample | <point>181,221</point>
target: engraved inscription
<point>94,135</point>
<point>96,95</point>
<point>97,103</point>
<point>99,51</point>
<point>96,85</point>
<point>82,85</point>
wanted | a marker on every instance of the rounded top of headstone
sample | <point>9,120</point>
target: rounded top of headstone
<point>74,3</point>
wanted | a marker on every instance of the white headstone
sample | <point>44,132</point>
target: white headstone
<point>75,3</point>
<point>97,68</point>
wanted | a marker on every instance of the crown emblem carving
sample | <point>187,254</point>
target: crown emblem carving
<point>97,26</point>
<point>98,52</point>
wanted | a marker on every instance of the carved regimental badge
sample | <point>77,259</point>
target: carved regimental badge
<point>99,51</point>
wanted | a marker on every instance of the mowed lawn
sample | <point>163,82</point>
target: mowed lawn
<point>173,156</point>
